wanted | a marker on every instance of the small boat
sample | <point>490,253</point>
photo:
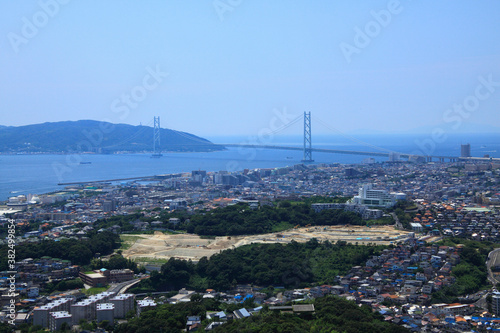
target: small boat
<point>85,162</point>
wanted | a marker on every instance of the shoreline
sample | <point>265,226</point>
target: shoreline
<point>114,153</point>
<point>40,172</point>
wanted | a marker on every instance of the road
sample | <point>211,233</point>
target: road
<point>352,152</point>
<point>482,302</point>
<point>397,224</point>
<point>122,286</point>
<point>492,257</point>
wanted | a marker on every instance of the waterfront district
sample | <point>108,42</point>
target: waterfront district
<point>415,211</point>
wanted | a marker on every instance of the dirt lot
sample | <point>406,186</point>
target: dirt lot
<point>187,246</point>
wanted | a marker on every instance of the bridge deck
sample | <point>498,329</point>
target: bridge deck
<point>365,153</point>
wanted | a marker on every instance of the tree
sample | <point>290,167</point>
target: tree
<point>104,324</point>
<point>65,327</point>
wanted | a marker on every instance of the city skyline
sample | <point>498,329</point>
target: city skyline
<point>241,67</point>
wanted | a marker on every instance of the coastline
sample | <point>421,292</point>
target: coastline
<point>40,172</point>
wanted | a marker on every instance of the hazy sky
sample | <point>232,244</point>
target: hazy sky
<point>244,66</point>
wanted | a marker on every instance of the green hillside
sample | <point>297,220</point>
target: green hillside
<point>95,136</point>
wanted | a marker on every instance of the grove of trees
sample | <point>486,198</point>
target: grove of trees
<point>288,265</point>
<point>239,219</point>
<point>471,273</point>
<point>80,252</point>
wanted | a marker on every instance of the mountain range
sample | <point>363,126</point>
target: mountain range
<point>96,136</point>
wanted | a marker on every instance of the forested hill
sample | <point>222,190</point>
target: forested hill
<point>95,136</point>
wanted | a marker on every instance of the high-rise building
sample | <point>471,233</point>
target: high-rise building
<point>108,205</point>
<point>394,157</point>
<point>465,150</point>
<point>198,175</point>
<point>373,198</point>
<point>495,303</point>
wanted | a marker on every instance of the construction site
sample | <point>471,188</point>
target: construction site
<point>160,246</point>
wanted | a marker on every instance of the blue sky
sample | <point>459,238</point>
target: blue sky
<point>242,67</point>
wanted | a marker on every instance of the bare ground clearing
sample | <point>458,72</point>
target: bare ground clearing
<point>188,246</point>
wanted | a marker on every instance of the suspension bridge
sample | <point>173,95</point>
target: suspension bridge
<point>307,148</point>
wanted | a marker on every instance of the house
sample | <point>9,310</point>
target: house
<point>408,289</point>
<point>303,308</point>
<point>241,313</point>
<point>213,325</point>
<point>193,323</point>
<point>183,296</point>
<point>337,290</point>
<point>219,316</point>
<point>427,288</point>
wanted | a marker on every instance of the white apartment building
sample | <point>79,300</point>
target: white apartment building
<point>87,308</point>
<point>105,311</point>
<point>143,304</point>
<point>123,304</point>
<point>495,303</point>
<point>41,314</point>
<point>56,319</point>
<point>82,310</point>
<point>374,198</point>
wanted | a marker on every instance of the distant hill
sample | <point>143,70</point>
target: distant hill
<point>95,136</point>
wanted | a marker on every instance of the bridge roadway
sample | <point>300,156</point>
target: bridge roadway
<point>365,153</point>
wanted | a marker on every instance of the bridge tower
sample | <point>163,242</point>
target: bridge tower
<point>156,138</point>
<point>307,138</point>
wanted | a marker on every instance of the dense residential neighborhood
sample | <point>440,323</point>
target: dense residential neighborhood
<point>413,282</point>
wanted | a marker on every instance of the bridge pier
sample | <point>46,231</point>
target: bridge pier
<point>307,138</point>
<point>156,138</point>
